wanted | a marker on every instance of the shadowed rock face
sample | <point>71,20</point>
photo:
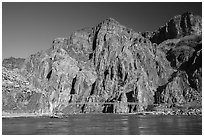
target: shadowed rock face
<point>112,63</point>
<point>179,26</point>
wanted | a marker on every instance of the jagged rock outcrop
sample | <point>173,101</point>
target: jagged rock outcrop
<point>19,96</point>
<point>185,57</point>
<point>179,26</point>
<point>13,63</point>
<point>108,66</point>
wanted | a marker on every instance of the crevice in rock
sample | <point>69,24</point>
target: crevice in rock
<point>49,75</point>
<point>157,94</point>
<point>70,100</point>
<point>126,76</point>
<point>120,73</point>
<point>90,56</point>
<point>93,88</point>
<point>130,96</point>
<point>171,57</point>
<point>108,108</point>
<point>112,73</point>
<point>94,40</point>
<point>104,87</point>
<point>82,108</point>
<point>73,84</point>
<point>120,97</point>
<point>106,73</point>
<point>135,66</point>
<point>138,56</point>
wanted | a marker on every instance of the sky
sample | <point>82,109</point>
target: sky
<point>31,27</point>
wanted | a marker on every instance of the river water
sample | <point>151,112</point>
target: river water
<point>104,124</point>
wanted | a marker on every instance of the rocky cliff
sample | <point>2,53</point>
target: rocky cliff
<point>112,69</point>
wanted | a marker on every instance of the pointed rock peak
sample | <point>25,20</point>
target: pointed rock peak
<point>187,13</point>
<point>183,15</point>
<point>60,40</point>
<point>177,27</point>
<point>110,21</point>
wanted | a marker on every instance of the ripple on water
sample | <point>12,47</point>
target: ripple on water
<point>104,124</point>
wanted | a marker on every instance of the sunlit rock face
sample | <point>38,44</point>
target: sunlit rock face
<point>102,69</point>
<point>19,96</point>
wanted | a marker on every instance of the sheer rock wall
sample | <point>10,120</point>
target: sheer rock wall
<point>113,64</point>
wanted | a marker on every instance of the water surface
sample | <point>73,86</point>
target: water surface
<point>104,124</point>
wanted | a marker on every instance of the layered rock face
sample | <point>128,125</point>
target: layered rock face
<point>113,69</point>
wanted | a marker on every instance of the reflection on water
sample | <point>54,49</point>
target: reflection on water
<point>108,124</point>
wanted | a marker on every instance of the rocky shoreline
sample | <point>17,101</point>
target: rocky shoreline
<point>189,112</point>
<point>15,115</point>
